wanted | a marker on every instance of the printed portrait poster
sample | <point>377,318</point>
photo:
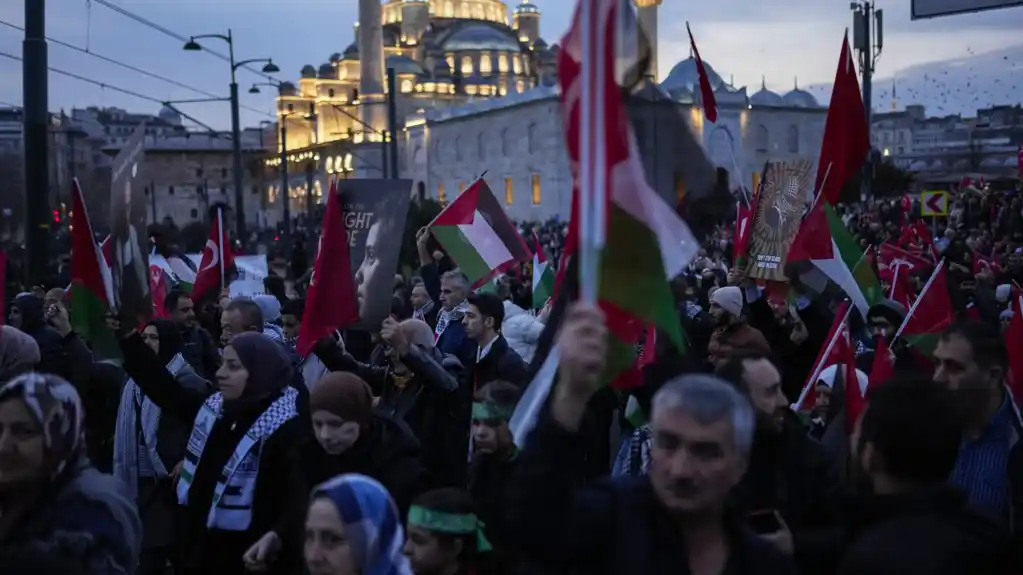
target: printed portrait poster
<point>374,214</point>
<point>133,301</point>
<point>779,214</point>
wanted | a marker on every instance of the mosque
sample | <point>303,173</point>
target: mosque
<point>476,91</point>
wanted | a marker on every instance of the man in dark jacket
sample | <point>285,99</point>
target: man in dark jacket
<point>494,358</point>
<point>789,473</point>
<point>907,442</point>
<point>199,350</point>
<point>674,520</point>
<point>28,315</point>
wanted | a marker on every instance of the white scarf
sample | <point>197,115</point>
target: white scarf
<point>445,316</point>
<point>137,414</point>
<point>231,506</point>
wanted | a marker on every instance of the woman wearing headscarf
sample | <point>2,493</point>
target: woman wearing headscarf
<point>420,386</point>
<point>353,528</point>
<point>19,353</point>
<point>351,438</point>
<point>236,465</point>
<point>52,500</point>
<point>148,444</point>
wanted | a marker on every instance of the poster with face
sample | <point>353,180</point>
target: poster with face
<point>133,302</point>
<point>374,214</point>
<point>779,215</point>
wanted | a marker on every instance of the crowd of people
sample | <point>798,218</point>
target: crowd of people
<point>214,447</point>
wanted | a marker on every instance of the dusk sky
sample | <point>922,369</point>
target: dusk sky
<point>744,38</point>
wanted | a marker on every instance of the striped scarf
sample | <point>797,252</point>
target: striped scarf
<point>231,507</point>
<point>139,418</point>
<point>422,312</point>
<point>447,316</point>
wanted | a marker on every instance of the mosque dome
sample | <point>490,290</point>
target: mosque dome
<point>404,65</point>
<point>527,8</point>
<point>540,44</point>
<point>352,51</point>
<point>170,115</point>
<point>685,76</point>
<point>475,35</point>
<point>765,97</point>
<point>326,70</point>
<point>308,71</point>
<point>799,98</point>
<point>288,89</point>
<point>335,57</point>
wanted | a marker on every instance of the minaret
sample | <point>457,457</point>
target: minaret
<point>646,13</point>
<point>895,100</point>
<point>373,111</point>
<point>526,21</point>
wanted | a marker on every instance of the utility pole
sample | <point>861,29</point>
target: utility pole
<point>392,120</point>
<point>285,189</point>
<point>868,40</point>
<point>36,121</point>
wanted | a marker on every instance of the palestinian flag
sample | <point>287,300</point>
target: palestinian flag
<point>543,276</point>
<point>824,241</point>
<point>476,233</point>
<point>930,315</point>
<point>91,285</point>
<point>179,269</point>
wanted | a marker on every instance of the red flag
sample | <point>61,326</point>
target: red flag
<point>931,313</point>
<point>649,354</point>
<point>836,350</point>
<point>743,219</point>
<point>882,369</point>
<point>901,290</point>
<point>980,263</point>
<point>158,287</point>
<point>330,302</point>
<point>217,265</point>
<point>710,104</point>
<point>1014,341</point>
<point>891,255</point>
<point>846,142</point>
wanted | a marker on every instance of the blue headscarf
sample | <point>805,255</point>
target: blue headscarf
<point>371,523</point>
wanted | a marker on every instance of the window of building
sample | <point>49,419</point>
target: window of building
<point>355,95</point>
<point>520,86</point>
<point>170,190</point>
<point>223,172</point>
<point>509,192</point>
<point>536,189</point>
<point>486,66</point>
<point>330,93</point>
<point>458,149</point>
<point>451,61</point>
<point>198,172</point>
<point>463,11</point>
<point>502,63</point>
<point>517,64</point>
<point>223,190</point>
<point>194,213</point>
<point>255,190</point>
<point>466,66</point>
<point>793,139</point>
<point>531,138</point>
<point>481,146</point>
<point>761,139</point>
<point>406,86</point>
<point>449,10</point>
<point>442,197</point>
<point>477,12</point>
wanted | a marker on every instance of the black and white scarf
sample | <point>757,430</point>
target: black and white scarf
<point>422,312</point>
<point>447,316</point>
<point>137,416</point>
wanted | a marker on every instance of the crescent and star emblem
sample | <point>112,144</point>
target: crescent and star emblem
<point>214,255</point>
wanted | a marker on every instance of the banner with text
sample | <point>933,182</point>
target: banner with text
<point>779,213</point>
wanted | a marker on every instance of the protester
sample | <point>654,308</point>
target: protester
<point>199,350</point>
<point>444,535</point>
<point>493,358</point>
<point>19,352</point>
<point>234,494</point>
<point>733,334</point>
<point>450,289</point>
<point>28,315</point>
<point>51,499</point>
<point>353,528</point>
<point>494,456</point>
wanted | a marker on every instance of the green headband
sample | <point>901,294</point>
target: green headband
<point>491,412</point>
<point>451,523</point>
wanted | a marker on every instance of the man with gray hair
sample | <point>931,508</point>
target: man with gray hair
<point>672,520</point>
<point>450,290</point>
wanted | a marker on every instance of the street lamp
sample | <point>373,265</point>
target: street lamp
<point>268,68</point>
<point>285,189</point>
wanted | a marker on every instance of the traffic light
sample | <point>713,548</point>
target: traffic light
<point>56,216</point>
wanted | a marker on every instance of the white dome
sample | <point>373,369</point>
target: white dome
<point>800,99</point>
<point>685,76</point>
<point>765,97</point>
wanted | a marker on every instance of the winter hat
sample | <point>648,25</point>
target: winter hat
<point>270,307</point>
<point>889,309</point>
<point>729,298</point>
<point>344,395</point>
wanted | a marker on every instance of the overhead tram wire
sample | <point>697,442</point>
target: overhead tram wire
<point>150,24</point>
<point>114,88</point>
<point>131,68</point>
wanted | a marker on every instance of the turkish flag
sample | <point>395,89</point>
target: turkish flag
<point>330,301</point>
<point>216,269</point>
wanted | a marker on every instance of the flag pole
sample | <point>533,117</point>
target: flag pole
<point>474,182</point>
<point>824,182</point>
<point>592,188</point>
<point>220,241</point>
<point>916,302</point>
<point>827,352</point>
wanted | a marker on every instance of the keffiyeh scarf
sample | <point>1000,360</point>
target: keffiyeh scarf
<point>422,312</point>
<point>138,419</point>
<point>447,316</point>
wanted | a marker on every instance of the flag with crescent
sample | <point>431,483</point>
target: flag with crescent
<point>217,269</point>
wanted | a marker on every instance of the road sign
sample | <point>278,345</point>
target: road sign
<point>934,8</point>
<point>933,204</point>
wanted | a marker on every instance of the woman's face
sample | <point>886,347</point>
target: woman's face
<point>326,549</point>
<point>425,552</point>
<point>152,338</point>
<point>232,375</point>
<point>334,434</point>
<point>22,446</point>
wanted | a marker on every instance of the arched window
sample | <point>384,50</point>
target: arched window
<point>531,138</point>
<point>477,12</point>
<point>481,146</point>
<point>517,64</point>
<point>438,151</point>
<point>449,10</point>
<point>463,10</point>
<point>506,146</point>
<point>458,148</point>
<point>761,140</point>
<point>520,86</point>
<point>466,66</point>
<point>330,93</point>
<point>486,66</point>
<point>502,62</point>
<point>406,86</point>
<point>792,139</point>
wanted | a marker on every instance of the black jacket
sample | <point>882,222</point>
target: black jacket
<point>200,352</point>
<point>615,527</point>
<point>793,475</point>
<point>927,533</point>
<point>214,551</point>
<point>501,362</point>
<point>435,404</point>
